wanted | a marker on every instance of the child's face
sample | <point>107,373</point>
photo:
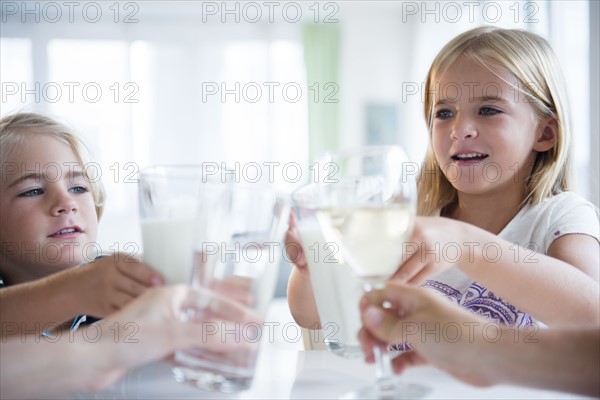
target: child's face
<point>46,208</point>
<point>484,130</point>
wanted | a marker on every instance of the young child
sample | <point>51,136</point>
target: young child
<point>49,210</point>
<point>495,188</point>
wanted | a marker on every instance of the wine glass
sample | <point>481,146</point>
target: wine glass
<point>366,206</point>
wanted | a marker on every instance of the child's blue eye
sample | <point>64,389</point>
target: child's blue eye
<point>488,111</point>
<point>79,189</point>
<point>444,114</point>
<point>32,192</point>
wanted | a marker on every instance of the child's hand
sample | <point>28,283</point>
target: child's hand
<point>435,245</point>
<point>110,282</point>
<point>293,246</point>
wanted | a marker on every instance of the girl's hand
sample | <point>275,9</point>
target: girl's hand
<point>436,245</point>
<point>293,247</point>
<point>301,298</point>
<point>110,282</point>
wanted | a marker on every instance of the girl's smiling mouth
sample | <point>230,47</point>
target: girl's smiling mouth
<point>468,157</point>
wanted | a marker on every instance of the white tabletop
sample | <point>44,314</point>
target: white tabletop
<point>286,371</point>
<point>317,374</point>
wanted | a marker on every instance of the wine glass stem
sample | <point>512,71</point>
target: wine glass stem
<point>384,374</point>
<point>383,362</point>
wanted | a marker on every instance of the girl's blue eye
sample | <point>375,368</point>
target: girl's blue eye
<point>79,189</point>
<point>488,111</point>
<point>443,114</point>
<point>32,192</point>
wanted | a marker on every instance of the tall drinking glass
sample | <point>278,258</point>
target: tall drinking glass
<point>336,289</point>
<point>237,250</point>
<point>167,205</point>
<point>366,206</point>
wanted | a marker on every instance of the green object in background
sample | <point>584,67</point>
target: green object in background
<point>321,54</point>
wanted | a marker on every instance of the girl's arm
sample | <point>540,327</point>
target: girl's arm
<point>553,290</point>
<point>301,299</point>
<point>580,251</point>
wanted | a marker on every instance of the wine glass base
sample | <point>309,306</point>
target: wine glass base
<point>343,350</point>
<point>394,389</point>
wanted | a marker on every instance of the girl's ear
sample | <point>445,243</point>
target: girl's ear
<point>547,135</point>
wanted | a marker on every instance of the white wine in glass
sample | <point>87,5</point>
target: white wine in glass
<point>371,239</point>
<point>367,208</point>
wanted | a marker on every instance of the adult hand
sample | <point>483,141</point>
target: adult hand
<point>147,328</point>
<point>151,327</point>
<point>440,333</point>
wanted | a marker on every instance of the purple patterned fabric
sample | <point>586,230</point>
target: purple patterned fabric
<point>480,301</point>
<point>484,303</point>
<point>446,290</point>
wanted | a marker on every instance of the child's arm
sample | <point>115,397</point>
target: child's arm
<point>97,289</point>
<point>38,306</point>
<point>301,298</point>
<point>548,288</point>
<point>580,251</point>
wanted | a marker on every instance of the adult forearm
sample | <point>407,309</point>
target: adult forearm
<point>560,359</point>
<point>77,361</point>
<point>56,366</point>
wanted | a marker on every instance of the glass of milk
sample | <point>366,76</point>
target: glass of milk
<point>237,248</point>
<point>167,206</point>
<point>337,290</point>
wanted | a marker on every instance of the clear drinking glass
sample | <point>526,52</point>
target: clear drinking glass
<point>336,289</point>
<point>237,250</point>
<point>167,205</point>
<point>366,204</point>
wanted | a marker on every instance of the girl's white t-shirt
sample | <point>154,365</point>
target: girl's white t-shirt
<point>532,231</point>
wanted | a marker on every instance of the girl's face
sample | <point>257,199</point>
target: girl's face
<point>47,211</point>
<point>485,134</point>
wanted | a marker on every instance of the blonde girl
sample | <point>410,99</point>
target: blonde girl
<point>498,170</point>
<point>499,232</point>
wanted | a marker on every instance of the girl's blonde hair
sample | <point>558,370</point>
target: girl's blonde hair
<point>531,60</point>
<point>14,128</point>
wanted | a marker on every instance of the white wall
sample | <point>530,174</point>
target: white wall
<point>386,47</point>
<point>594,77</point>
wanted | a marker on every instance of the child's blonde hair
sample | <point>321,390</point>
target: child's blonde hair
<point>531,60</point>
<point>15,127</point>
